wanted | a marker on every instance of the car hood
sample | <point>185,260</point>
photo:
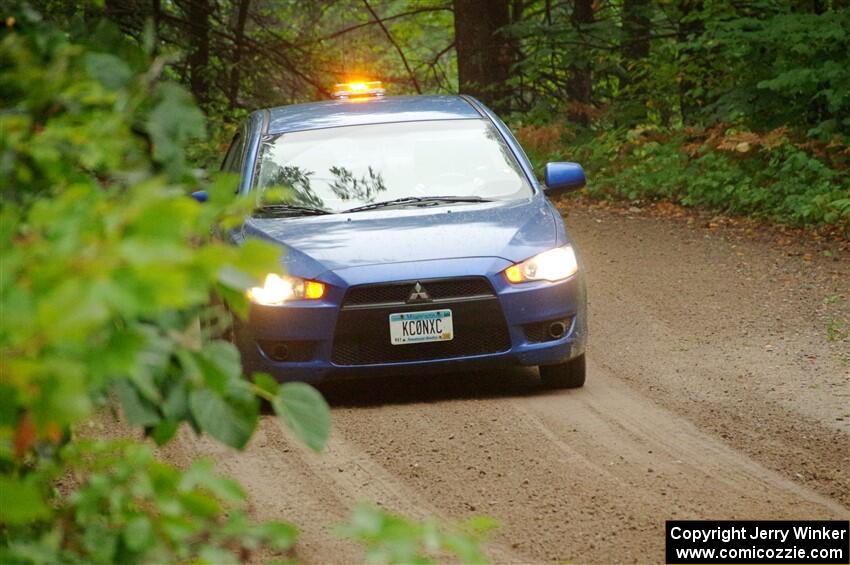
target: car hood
<point>313,245</point>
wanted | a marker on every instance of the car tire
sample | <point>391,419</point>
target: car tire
<point>564,375</point>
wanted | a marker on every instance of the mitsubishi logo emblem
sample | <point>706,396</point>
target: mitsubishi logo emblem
<point>418,294</point>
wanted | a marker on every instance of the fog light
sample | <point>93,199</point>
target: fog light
<point>557,330</point>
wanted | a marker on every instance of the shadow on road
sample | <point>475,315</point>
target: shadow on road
<point>408,389</point>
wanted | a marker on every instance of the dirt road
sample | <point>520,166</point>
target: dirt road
<point>713,392</point>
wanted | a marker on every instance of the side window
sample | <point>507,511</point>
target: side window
<point>234,155</point>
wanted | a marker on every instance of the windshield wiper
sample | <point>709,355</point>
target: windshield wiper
<point>272,210</point>
<point>416,200</point>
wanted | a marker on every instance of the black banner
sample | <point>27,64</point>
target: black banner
<point>815,542</point>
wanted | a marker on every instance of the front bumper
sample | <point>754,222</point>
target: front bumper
<point>304,340</point>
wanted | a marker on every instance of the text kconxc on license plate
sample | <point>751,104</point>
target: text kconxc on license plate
<point>421,327</point>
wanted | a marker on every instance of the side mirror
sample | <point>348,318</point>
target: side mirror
<point>563,177</point>
<point>200,195</point>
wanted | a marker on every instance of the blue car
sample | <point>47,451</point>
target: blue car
<point>415,238</point>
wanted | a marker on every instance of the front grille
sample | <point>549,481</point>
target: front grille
<point>368,352</point>
<point>398,293</point>
<point>362,334</point>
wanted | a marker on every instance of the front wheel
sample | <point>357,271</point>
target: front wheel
<point>564,375</point>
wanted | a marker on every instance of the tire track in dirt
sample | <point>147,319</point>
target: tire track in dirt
<point>316,492</point>
<point>587,475</point>
<point>729,331</point>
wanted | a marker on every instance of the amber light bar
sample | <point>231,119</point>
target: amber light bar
<point>358,89</point>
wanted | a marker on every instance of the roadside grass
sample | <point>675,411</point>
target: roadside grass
<point>837,329</point>
<point>774,176</point>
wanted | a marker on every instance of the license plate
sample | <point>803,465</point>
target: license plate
<point>421,327</point>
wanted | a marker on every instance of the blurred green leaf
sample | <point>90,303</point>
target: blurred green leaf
<point>139,411</point>
<point>228,423</point>
<point>277,534</point>
<point>389,538</point>
<point>266,383</point>
<point>304,411</point>
<point>174,120</point>
<point>22,500</point>
<point>201,474</point>
<point>164,431</point>
<point>138,533</point>
<point>108,69</point>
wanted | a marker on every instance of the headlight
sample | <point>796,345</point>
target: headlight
<point>553,265</point>
<point>277,289</point>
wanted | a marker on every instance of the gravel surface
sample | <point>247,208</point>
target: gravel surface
<point>713,392</point>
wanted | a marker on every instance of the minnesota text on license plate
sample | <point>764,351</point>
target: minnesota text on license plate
<point>419,327</point>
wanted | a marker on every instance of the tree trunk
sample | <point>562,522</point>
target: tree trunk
<point>635,29</point>
<point>635,48</point>
<point>197,15</point>
<point>484,56</point>
<point>690,27</point>
<point>239,38</point>
<point>156,16</point>
<point>580,85</point>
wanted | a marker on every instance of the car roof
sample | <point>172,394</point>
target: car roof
<point>379,110</point>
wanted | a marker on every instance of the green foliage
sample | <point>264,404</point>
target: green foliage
<point>127,507</point>
<point>261,54</point>
<point>760,65</point>
<point>392,539</point>
<point>753,68</point>
<point>107,268</point>
<point>775,67</point>
<point>782,182</point>
<point>605,66</point>
<point>72,114</point>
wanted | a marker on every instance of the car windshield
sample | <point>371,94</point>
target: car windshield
<point>336,169</point>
